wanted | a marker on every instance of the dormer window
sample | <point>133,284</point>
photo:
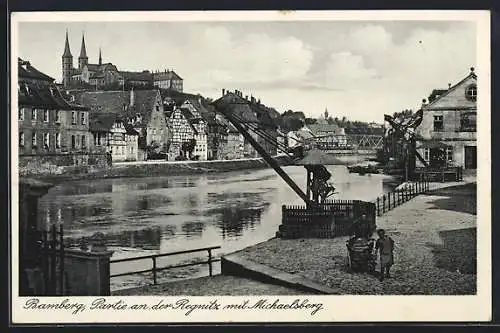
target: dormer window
<point>471,92</point>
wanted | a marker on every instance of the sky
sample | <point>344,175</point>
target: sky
<point>357,69</point>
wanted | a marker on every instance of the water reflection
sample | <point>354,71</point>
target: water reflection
<point>162,214</point>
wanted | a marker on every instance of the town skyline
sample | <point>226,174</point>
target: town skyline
<point>377,65</point>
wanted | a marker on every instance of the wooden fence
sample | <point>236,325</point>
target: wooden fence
<point>393,199</point>
<point>155,269</point>
<point>330,219</point>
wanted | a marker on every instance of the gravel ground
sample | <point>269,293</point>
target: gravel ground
<point>218,285</point>
<point>435,250</point>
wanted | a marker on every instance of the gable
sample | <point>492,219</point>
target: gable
<point>455,97</point>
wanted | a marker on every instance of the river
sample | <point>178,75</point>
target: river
<point>141,216</point>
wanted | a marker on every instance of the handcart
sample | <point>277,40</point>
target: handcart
<point>360,255</point>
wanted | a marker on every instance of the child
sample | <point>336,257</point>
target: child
<point>385,246</point>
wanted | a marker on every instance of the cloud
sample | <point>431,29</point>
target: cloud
<point>253,59</point>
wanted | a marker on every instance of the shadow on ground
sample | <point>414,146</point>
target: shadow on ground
<point>458,251</point>
<point>460,198</point>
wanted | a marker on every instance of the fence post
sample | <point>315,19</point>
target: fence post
<point>154,269</point>
<point>210,262</point>
<point>389,203</point>
<point>378,206</point>
<point>383,207</point>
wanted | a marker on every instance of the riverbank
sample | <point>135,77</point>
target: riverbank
<point>159,168</point>
<point>435,252</point>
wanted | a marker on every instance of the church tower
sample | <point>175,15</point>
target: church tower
<point>83,59</point>
<point>67,63</point>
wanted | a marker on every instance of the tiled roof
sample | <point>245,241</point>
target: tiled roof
<point>119,102</point>
<point>44,97</point>
<point>25,70</point>
<point>104,101</point>
<point>232,103</point>
<point>169,75</point>
<point>103,122</point>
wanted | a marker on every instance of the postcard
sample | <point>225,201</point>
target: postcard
<point>250,166</point>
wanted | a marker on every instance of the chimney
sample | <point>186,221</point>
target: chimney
<point>252,99</point>
<point>472,69</point>
<point>449,85</point>
<point>223,91</point>
<point>246,97</point>
<point>132,97</point>
<point>258,101</point>
<point>424,101</point>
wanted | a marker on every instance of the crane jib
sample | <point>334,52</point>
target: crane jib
<point>268,158</point>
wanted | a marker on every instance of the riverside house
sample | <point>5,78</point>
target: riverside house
<point>235,103</point>
<point>449,125</point>
<point>142,109</point>
<point>187,126</point>
<point>47,122</point>
<point>111,134</point>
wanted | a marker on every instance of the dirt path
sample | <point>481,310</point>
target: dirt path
<point>435,252</point>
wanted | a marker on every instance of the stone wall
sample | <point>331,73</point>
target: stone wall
<point>56,164</point>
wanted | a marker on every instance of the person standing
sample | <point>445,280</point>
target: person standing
<point>385,246</point>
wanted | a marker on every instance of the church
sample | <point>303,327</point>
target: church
<point>107,76</point>
<point>97,75</point>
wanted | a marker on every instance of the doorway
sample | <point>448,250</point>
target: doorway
<point>470,157</point>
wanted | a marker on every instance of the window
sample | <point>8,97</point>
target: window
<point>82,118</point>
<point>45,116</point>
<point>84,141</point>
<point>33,114</point>
<point>21,139</point>
<point>471,92</point>
<point>438,123</point>
<point>58,116</point>
<point>426,154</point>
<point>46,140</point>
<point>33,139</point>
<point>21,114</point>
<point>468,122</point>
<point>73,117</point>
<point>449,154</point>
<point>58,140</point>
<point>73,142</point>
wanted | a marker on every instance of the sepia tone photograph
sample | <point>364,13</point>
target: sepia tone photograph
<point>249,157</point>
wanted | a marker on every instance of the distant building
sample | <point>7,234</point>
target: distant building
<point>47,122</point>
<point>234,147</point>
<point>168,79</point>
<point>187,125</point>
<point>328,136</point>
<point>97,75</point>
<point>447,134</point>
<point>136,79</point>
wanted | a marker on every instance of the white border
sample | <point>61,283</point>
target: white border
<point>337,308</point>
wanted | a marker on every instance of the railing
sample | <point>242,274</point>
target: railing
<point>440,174</point>
<point>391,200</point>
<point>155,269</point>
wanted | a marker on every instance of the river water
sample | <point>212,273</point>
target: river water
<point>140,216</point>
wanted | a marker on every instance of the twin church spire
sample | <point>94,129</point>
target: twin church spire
<point>83,58</point>
<point>67,60</point>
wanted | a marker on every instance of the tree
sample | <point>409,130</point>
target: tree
<point>188,147</point>
<point>310,121</point>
